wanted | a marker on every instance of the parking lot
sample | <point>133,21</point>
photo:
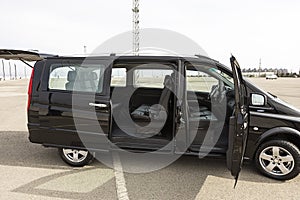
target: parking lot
<point>30,171</point>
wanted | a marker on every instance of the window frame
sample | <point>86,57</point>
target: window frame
<point>216,66</point>
<point>77,61</point>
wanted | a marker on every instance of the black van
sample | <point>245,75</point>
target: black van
<point>215,110</point>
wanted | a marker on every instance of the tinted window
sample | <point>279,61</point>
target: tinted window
<point>152,78</point>
<point>201,78</point>
<point>81,78</point>
<point>118,77</point>
<point>199,81</point>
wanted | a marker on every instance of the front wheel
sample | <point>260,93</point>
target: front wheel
<point>278,159</point>
<point>75,157</point>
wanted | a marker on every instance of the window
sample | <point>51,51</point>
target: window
<point>201,78</point>
<point>118,77</point>
<point>58,77</point>
<point>151,78</point>
<point>199,81</point>
<point>88,78</point>
<point>228,80</point>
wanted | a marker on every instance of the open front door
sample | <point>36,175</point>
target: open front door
<point>238,123</point>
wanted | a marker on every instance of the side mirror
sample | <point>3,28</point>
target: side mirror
<point>258,100</point>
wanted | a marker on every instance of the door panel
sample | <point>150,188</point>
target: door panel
<point>238,129</point>
<point>68,111</point>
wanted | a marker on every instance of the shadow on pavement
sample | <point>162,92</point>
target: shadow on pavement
<point>20,152</point>
<point>181,180</point>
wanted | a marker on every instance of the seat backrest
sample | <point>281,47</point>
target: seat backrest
<point>166,92</point>
<point>88,82</point>
<point>71,80</point>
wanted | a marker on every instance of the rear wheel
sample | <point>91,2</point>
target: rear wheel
<point>278,159</point>
<point>75,157</point>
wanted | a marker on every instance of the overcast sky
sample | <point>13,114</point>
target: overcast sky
<point>266,29</point>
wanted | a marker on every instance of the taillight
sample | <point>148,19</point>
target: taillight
<point>30,89</point>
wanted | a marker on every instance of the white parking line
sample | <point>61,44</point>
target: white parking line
<point>120,180</point>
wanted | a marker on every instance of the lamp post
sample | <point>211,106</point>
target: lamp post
<point>84,50</point>
<point>15,72</point>
<point>259,68</point>
<point>9,70</point>
<point>3,70</point>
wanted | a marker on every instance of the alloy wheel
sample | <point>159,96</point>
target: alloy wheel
<point>276,160</point>
<point>75,155</point>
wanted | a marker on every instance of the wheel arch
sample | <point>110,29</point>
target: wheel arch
<point>284,133</point>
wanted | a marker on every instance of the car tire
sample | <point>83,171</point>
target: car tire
<point>278,159</point>
<point>75,157</point>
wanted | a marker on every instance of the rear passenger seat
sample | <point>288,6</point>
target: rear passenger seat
<point>84,81</point>
<point>143,112</point>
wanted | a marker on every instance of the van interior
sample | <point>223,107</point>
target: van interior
<point>144,95</point>
<point>144,104</point>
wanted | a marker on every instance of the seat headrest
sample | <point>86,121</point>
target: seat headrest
<point>173,77</point>
<point>167,80</point>
<point>93,76</point>
<point>71,76</point>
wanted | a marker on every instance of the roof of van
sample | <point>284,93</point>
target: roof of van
<point>31,56</point>
<point>137,57</point>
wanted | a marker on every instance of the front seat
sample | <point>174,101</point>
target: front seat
<point>144,112</point>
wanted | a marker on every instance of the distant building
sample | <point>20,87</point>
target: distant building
<point>264,72</point>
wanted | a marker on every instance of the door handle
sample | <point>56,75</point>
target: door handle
<point>100,105</point>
